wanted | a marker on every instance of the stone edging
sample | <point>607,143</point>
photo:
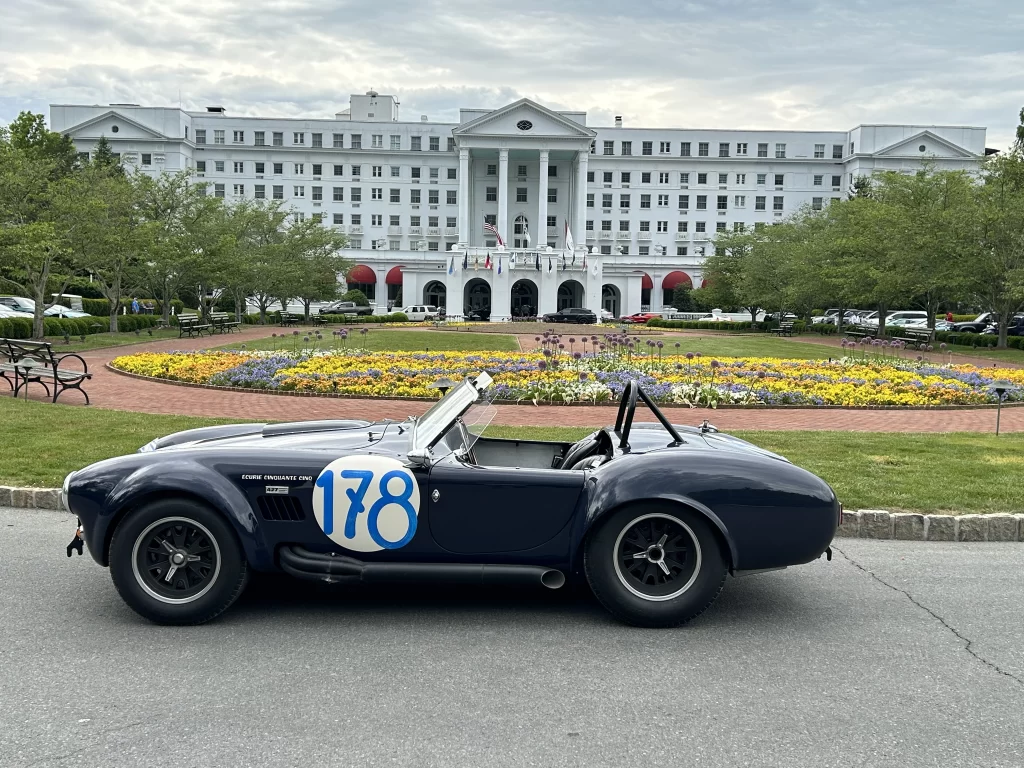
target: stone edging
<point>863,524</point>
<point>604,403</point>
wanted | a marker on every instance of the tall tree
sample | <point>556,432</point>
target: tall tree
<point>28,134</point>
<point>319,264</point>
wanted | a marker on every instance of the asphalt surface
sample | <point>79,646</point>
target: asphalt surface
<point>822,665</point>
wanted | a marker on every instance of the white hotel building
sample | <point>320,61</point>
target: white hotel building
<point>642,204</point>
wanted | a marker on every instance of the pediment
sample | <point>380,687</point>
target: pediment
<point>102,125</point>
<point>935,146</point>
<point>510,121</point>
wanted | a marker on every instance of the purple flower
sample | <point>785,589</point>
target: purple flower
<point>547,353</point>
<point>577,355</point>
<point>677,345</point>
<point>689,355</point>
<point>572,340</point>
<point>942,345</point>
<point>542,365</point>
<point>919,358</point>
<point>661,344</point>
<point>295,333</point>
<point>364,331</point>
<point>536,338</point>
<point>583,376</point>
<point>715,364</point>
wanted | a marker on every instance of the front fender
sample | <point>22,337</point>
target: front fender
<point>185,477</point>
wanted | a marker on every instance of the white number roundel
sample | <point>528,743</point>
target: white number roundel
<point>367,503</point>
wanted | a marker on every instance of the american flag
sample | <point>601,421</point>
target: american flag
<point>494,231</point>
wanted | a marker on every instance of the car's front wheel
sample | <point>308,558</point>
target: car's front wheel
<point>655,565</point>
<point>177,561</point>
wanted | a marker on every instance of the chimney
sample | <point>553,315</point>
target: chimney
<point>618,121</point>
<point>217,110</point>
<point>423,118</point>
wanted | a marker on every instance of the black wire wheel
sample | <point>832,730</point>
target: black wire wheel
<point>177,561</point>
<point>657,556</point>
<point>656,564</point>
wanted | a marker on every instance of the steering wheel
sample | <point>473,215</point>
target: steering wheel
<point>624,418</point>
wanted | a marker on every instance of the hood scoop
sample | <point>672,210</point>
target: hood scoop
<point>303,427</point>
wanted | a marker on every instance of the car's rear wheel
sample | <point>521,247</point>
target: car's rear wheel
<point>655,565</point>
<point>176,561</point>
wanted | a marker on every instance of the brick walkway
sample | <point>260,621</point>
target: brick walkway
<point>117,392</point>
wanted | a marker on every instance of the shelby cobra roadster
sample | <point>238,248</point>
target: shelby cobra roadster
<point>653,516</point>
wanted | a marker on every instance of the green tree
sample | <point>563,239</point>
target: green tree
<point>103,158</point>
<point>319,262</point>
<point>28,134</point>
<point>682,299</point>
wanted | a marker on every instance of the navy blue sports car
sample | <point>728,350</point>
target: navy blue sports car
<point>653,516</point>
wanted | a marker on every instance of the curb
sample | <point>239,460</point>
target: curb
<point>857,524</point>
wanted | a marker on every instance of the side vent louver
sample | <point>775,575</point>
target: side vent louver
<point>281,508</point>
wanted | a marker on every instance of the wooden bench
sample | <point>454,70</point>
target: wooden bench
<point>287,318</point>
<point>222,322</point>
<point>35,362</point>
<point>857,331</point>
<point>919,336</point>
<point>784,328</point>
<point>320,321</point>
<point>191,325</point>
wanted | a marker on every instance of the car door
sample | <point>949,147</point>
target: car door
<point>482,510</point>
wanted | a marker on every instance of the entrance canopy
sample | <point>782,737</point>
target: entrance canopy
<point>394,276</point>
<point>361,274</point>
<point>673,279</point>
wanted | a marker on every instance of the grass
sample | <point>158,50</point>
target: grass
<point>742,346</point>
<point>389,340</point>
<point>955,472</point>
<point>101,340</point>
<point>988,353</point>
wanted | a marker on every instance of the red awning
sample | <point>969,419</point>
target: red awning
<point>361,274</point>
<point>394,275</point>
<point>672,279</point>
<point>646,283</point>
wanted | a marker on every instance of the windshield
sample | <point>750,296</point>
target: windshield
<point>442,415</point>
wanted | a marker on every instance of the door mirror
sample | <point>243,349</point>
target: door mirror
<point>419,457</point>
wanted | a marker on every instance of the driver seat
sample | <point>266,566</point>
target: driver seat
<point>580,451</point>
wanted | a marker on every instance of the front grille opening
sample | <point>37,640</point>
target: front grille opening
<point>281,508</point>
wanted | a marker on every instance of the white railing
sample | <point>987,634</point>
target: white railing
<point>433,231</point>
<point>451,232</point>
<point>623,235</point>
<point>683,236</point>
<point>607,234</point>
<point>355,229</point>
<point>644,236</point>
<point>415,230</point>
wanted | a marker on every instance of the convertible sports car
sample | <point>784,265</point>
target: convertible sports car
<point>653,516</point>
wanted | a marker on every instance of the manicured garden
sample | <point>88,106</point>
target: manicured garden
<point>958,472</point>
<point>592,369</point>
<point>293,340</point>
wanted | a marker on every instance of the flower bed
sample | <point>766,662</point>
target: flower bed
<point>592,370</point>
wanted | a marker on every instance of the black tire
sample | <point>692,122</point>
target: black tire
<point>645,595</point>
<point>141,553</point>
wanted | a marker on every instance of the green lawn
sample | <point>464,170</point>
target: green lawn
<point>742,346</point>
<point>956,472</point>
<point>995,355</point>
<point>387,339</point>
<point>100,340</point>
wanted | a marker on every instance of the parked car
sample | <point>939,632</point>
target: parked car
<point>419,312</point>
<point>977,325</point>
<point>606,317</point>
<point>1014,328</point>
<point>652,516</point>
<point>640,318</point>
<point>481,315</point>
<point>6,311</point>
<point>571,315</point>
<point>18,304</point>
<point>345,308</point>
<point>59,310</point>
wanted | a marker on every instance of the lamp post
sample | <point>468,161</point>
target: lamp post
<point>442,385</point>
<point>1000,386</point>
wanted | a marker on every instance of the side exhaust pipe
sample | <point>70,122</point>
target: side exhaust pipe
<point>301,563</point>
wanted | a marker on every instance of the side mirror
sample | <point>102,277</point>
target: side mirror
<point>419,457</point>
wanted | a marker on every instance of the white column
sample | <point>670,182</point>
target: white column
<point>540,237</point>
<point>503,194</point>
<point>464,225</point>
<point>579,233</point>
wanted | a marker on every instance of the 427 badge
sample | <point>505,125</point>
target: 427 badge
<point>367,503</point>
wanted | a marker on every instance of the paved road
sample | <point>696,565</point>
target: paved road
<point>817,666</point>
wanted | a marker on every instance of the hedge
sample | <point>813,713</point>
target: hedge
<point>799,326</point>
<point>101,307</point>
<point>977,339</point>
<point>274,317</point>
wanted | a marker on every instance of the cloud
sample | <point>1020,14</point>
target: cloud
<point>683,63</point>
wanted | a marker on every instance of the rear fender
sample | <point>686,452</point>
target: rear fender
<point>189,478</point>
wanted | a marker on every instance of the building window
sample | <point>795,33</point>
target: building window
<point>239,190</point>
<point>741,178</point>
<point>260,192</point>
<point>623,225</point>
<point>200,135</point>
<point>218,137</point>
<point>606,250</point>
<point>723,149</point>
<point>665,147</point>
<point>318,169</point>
<point>627,148</point>
<point>645,177</point>
<point>663,226</point>
<point>589,225</point>
<point>552,171</point>
<point>606,226</point>
<point>278,139</point>
<point>684,149</point>
<point>414,196</point>
<point>238,137</point>
<point>376,141</point>
<point>521,195</point>
<point>700,226</point>
<point>702,149</point>
<point>682,226</point>
<point>720,226</point>
<point>318,139</point>
<point>433,173</point>
<point>395,195</point>
<point>644,250</point>
<point>623,201</point>
<point>218,165</point>
<point>339,218</point>
<point>433,196</point>
<point>818,180</point>
<point>647,148</point>
<point>723,178</point>
<point>663,177</point>
<point>396,221</point>
<point>740,201</point>
<point>816,203</point>
<point>609,147</point>
<point>590,177</point>
<point>416,143</point>
<point>432,246</point>
<point>300,168</point>
<point>357,170</point>
<point>780,150</point>
<point>200,165</point>
<point>762,179</point>
<point>702,178</point>
<point>147,159</point>
<point>590,200</point>
<point>491,218</point>
<point>837,181</point>
<point>339,194</point>
<point>680,250</point>
<point>356,194</point>
<point>819,151</point>
<point>357,219</point>
<point>298,137</point>
<point>663,201</point>
<point>491,194</point>
<point>552,195</point>
<point>218,190</point>
<point>625,177</point>
<point>777,203</point>
<point>684,179</point>
<point>606,201</point>
<point>779,179</point>
<point>451,174</point>
<point>451,144</point>
<point>741,148</point>
<point>435,143</point>
<point>239,167</point>
<point>837,151</point>
<point>339,170</point>
<point>723,202</point>
<point>278,192</point>
<point>702,202</point>
<point>415,170</point>
<point>298,191</point>
<point>451,197</point>
<point>552,221</point>
<point>317,194</point>
<point>377,171</point>
<point>492,170</point>
<point>759,201</point>
<point>684,202</point>
<point>338,140</point>
<point>396,142</point>
<point>376,220</point>
<point>762,150</point>
<point>645,201</point>
<point>356,140</point>
<point>396,171</point>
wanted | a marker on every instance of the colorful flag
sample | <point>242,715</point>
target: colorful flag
<point>537,261</point>
<point>494,231</point>
<point>549,263</point>
<point>487,261</point>
<point>465,260</point>
<point>451,267</point>
<point>569,244</point>
<point>499,265</point>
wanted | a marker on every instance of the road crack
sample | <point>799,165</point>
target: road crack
<point>968,643</point>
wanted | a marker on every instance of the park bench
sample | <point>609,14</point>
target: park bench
<point>287,318</point>
<point>857,331</point>
<point>918,336</point>
<point>320,321</point>
<point>191,325</point>
<point>222,322</point>
<point>35,362</point>
<point>784,328</point>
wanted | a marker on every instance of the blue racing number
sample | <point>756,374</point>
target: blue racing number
<point>356,507</point>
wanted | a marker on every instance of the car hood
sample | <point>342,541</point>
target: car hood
<point>336,434</point>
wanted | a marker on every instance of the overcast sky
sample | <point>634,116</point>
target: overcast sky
<point>801,64</point>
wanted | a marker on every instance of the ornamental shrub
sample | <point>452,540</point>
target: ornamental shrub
<point>356,296</point>
<point>18,328</point>
<point>97,307</point>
